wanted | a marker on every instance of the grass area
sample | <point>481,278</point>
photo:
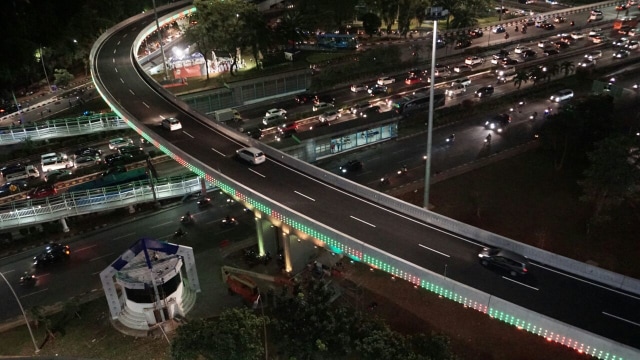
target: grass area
<point>89,337</point>
<point>548,214</point>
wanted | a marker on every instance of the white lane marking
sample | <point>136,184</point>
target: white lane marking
<point>257,173</point>
<point>588,282</point>
<point>8,271</point>
<point>114,51</point>
<point>435,251</point>
<point>97,272</point>
<point>84,248</point>
<point>380,207</point>
<point>123,236</point>
<point>113,60</point>
<point>122,81</point>
<point>303,195</point>
<point>362,221</point>
<point>100,257</point>
<point>33,293</point>
<point>116,69</point>
<point>619,318</point>
<point>145,104</point>
<point>162,224</point>
<point>189,135</point>
<point>132,93</point>
<point>523,284</point>
<point>219,153</point>
<point>118,43</point>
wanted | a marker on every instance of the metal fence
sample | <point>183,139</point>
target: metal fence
<point>62,128</point>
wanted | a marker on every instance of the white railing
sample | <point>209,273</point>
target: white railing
<point>61,128</point>
<point>19,213</point>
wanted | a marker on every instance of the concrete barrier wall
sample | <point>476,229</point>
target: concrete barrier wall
<point>341,243</point>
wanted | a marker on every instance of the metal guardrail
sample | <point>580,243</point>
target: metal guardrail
<point>25,212</point>
<point>61,128</point>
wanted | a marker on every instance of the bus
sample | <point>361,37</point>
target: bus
<point>411,103</point>
<point>338,41</point>
<point>627,22</point>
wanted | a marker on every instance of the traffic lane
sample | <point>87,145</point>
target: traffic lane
<point>93,254</point>
<point>264,165</point>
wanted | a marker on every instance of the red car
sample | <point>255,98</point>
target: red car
<point>42,192</point>
<point>412,80</point>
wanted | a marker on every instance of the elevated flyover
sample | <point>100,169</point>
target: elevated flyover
<point>583,307</point>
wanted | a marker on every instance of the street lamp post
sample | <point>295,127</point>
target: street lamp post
<point>26,320</point>
<point>433,13</point>
<point>164,58</point>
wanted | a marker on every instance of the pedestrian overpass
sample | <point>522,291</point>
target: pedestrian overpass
<point>29,212</point>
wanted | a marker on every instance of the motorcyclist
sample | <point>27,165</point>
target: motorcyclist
<point>488,138</point>
<point>516,28</point>
<point>572,23</point>
<point>179,232</point>
<point>506,35</point>
<point>451,138</point>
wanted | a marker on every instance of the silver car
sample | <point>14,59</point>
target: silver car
<point>330,115</point>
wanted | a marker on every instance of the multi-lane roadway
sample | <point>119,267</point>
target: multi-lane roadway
<point>594,307</point>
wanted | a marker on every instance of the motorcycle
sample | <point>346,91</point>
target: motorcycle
<point>488,139</point>
<point>451,138</point>
<point>403,171</point>
<point>186,218</point>
<point>533,116</point>
<point>229,221</point>
<point>384,180</point>
<point>27,279</point>
<point>524,30</point>
<point>203,201</point>
<point>506,36</point>
<point>179,233</point>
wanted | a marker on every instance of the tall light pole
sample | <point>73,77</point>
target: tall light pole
<point>44,68</point>
<point>26,320</point>
<point>164,58</point>
<point>433,13</point>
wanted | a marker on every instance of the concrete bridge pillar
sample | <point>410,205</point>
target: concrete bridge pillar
<point>203,187</point>
<point>65,228</point>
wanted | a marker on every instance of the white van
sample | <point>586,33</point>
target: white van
<point>29,172</point>
<point>456,89</point>
<point>463,80</point>
<point>562,95</point>
<point>506,75</point>
<point>55,161</point>
<point>595,15</point>
<point>252,155</point>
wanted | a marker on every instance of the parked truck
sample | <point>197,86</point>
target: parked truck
<point>25,173</point>
<point>227,115</point>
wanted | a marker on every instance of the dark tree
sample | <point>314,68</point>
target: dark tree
<point>371,23</point>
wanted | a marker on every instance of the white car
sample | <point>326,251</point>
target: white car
<point>632,45</point>
<point>587,63</point>
<point>386,80</point>
<point>359,87</point>
<point>599,39</point>
<point>562,95</point>
<point>321,106</point>
<point>171,124</point>
<point>634,32</point>
<point>596,54</point>
<point>577,35</point>
<point>274,111</point>
<point>595,31</point>
<point>520,49</point>
<point>473,60</point>
<point>330,115</point>
<point>544,44</point>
